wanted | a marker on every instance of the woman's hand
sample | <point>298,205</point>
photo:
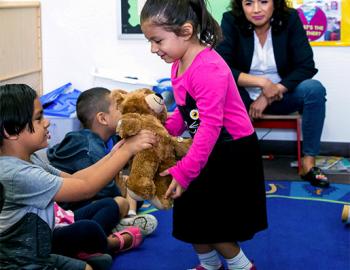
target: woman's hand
<point>174,190</point>
<point>271,90</point>
<point>258,106</point>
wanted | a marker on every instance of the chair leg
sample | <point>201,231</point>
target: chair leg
<point>300,167</point>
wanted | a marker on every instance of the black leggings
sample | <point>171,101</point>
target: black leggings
<point>93,223</point>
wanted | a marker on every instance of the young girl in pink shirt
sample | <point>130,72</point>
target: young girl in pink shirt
<point>222,173</point>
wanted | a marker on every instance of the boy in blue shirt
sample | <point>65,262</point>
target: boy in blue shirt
<point>80,149</point>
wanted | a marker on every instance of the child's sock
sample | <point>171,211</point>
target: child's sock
<point>239,262</point>
<point>131,213</point>
<point>210,260</point>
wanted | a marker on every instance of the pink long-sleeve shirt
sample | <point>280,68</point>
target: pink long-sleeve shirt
<point>210,83</point>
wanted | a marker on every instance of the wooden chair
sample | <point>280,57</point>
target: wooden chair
<point>290,121</point>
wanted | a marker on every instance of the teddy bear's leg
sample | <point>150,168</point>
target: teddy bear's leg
<point>156,202</point>
<point>134,195</point>
<point>143,169</point>
<point>162,183</point>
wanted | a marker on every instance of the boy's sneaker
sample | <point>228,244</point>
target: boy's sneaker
<point>147,223</point>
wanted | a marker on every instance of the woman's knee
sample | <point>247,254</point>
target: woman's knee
<point>314,90</point>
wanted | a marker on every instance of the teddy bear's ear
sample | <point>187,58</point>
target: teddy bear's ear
<point>118,95</point>
<point>146,90</point>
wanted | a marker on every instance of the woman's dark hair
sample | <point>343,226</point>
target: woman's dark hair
<point>91,102</point>
<point>172,14</point>
<point>278,21</point>
<point>16,109</point>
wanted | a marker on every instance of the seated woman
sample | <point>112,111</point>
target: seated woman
<point>267,49</point>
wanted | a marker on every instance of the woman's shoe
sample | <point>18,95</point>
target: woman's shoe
<point>316,177</point>
<point>136,237</point>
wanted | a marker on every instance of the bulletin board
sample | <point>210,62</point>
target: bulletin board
<point>20,43</point>
<point>129,16</point>
<point>326,22</point>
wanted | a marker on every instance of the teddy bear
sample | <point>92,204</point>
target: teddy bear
<point>145,109</point>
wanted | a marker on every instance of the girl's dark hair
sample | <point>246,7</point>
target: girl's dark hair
<point>91,102</point>
<point>16,109</point>
<point>278,21</point>
<point>172,14</point>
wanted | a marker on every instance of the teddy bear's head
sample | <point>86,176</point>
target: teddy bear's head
<point>143,101</point>
<point>144,109</point>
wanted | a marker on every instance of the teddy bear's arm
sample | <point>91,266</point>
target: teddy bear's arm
<point>129,124</point>
<point>181,146</point>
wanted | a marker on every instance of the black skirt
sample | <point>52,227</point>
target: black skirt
<point>226,202</point>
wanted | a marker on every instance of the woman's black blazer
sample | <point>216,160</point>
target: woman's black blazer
<point>293,53</point>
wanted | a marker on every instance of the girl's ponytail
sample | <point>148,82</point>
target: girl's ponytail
<point>209,30</point>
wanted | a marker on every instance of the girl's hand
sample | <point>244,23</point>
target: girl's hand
<point>143,140</point>
<point>174,190</point>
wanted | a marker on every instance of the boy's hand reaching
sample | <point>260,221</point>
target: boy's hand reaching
<point>117,146</point>
<point>174,190</point>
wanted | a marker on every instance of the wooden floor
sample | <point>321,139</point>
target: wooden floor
<point>278,168</point>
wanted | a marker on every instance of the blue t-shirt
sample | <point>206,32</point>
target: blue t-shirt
<point>29,188</point>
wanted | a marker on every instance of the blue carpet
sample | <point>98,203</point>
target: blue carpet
<point>305,232</point>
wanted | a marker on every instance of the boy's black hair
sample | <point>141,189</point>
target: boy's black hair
<point>278,22</point>
<point>173,14</point>
<point>16,109</point>
<point>91,102</point>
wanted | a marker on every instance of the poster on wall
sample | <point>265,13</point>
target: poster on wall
<point>326,22</point>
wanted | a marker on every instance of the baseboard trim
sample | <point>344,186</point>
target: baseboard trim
<point>289,148</point>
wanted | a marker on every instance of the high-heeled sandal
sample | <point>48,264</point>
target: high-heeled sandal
<point>316,177</point>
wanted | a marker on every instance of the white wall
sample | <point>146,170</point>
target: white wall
<point>79,35</point>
